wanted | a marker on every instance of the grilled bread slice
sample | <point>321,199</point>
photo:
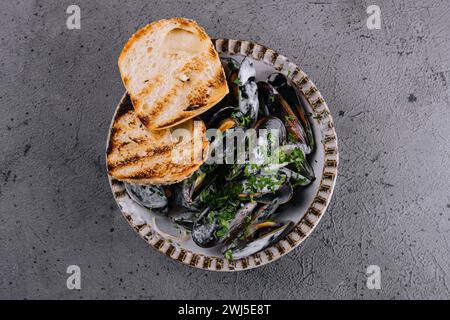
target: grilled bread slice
<point>141,156</point>
<point>172,72</point>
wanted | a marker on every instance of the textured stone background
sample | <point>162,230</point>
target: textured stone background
<point>389,94</point>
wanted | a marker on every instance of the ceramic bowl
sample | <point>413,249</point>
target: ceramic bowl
<point>309,204</point>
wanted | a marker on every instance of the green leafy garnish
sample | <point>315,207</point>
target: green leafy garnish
<point>224,204</point>
<point>292,138</point>
<point>290,117</point>
<point>256,183</point>
<point>228,254</point>
<point>271,98</point>
<point>242,120</point>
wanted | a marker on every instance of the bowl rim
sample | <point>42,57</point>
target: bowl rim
<point>317,206</point>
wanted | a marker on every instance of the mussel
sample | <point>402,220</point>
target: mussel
<point>231,68</point>
<point>281,193</point>
<point>276,105</point>
<point>273,125</point>
<point>192,187</point>
<point>266,98</point>
<point>266,212</point>
<point>204,229</point>
<point>238,223</point>
<point>280,83</point>
<point>299,163</point>
<point>260,238</point>
<point>248,94</point>
<point>223,119</point>
<point>149,196</point>
<point>187,219</point>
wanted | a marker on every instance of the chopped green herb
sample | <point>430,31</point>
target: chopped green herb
<point>271,98</point>
<point>257,183</point>
<point>290,117</point>
<point>221,232</point>
<point>242,120</point>
<point>228,254</point>
<point>292,138</point>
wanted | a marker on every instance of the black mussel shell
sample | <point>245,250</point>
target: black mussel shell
<point>290,94</point>
<point>203,231</point>
<point>220,116</point>
<point>259,241</point>
<point>239,222</point>
<point>281,195</point>
<point>148,196</point>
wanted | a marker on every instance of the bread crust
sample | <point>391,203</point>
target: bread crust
<point>191,82</point>
<point>140,156</point>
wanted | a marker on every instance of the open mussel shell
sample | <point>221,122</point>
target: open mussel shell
<point>281,195</point>
<point>187,219</point>
<point>188,191</point>
<point>266,212</point>
<point>248,93</point>
<point>204,229</point>
<point>149,196</point>
<point>306,170</point>
<point>290,94</point>
<point>297,178</point>
<point>266,97</point>
<point>259,240</point>
<point>237,224</point>
<point>273,125</point>
<point>275,105</point>
<point>223,119</point>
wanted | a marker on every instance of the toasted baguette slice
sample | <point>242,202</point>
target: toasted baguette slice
<point>172,72</point>
<point>140,156</point>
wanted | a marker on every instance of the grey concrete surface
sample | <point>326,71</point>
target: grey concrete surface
<point>389,94</point>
